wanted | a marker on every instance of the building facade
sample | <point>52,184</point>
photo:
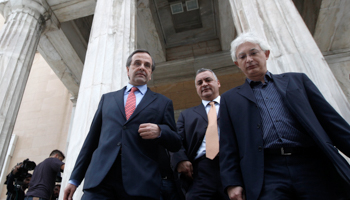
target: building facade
<point>58,57</point>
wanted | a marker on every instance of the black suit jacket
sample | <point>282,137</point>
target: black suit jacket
<point>241,142</point>
<point>111,134</point>
<point>191,126</point>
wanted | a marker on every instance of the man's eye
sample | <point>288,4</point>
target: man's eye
<point>147,65</point>
<point>242,56</point>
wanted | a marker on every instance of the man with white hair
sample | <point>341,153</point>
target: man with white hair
<point>279,136</point>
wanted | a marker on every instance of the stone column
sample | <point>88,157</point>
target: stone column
<point>112,39</point>
<point>293,48</point>
<point>19,37</point>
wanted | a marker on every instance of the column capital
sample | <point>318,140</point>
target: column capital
<point>39,9</point>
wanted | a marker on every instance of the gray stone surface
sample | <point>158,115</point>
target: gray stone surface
<point>19,39</point>
<point>112,39</point>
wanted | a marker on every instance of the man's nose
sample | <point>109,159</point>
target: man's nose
<point>249,58</point>
<point>142,67</point>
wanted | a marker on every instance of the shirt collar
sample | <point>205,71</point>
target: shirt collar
<point>142,88</point>
<point>216,100</point>
<point>267,77</point>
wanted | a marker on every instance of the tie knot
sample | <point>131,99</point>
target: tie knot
<point>212,103</point>
<point>133,89</point>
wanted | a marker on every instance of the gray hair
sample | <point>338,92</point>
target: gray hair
<point>247,37</point>
<point>204,70</point>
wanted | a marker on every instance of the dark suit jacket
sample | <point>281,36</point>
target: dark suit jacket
<point>241,142</point>
<point>191,125</point>
<point>110,134</point>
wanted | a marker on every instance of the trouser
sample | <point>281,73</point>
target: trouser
<point>111,188</point>
<point>302,177</point>
<point>206,181</point>
<point>169,190</point>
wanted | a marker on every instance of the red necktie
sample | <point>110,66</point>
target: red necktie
<point>130,103</point>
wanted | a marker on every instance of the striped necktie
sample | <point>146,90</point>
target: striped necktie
<point>130,103</point>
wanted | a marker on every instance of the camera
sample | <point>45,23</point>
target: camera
<point>22,171</point>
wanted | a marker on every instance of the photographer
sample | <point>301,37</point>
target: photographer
<point>44,176</point>
<point>16,186</point>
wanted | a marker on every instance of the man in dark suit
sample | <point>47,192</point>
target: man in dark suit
<point>279,136</point>
<point>119,156</point>
<point>194,160</point>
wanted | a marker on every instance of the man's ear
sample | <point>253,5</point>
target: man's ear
<point>236,63</point>
<point>267,54</point>
<point>127,72</point>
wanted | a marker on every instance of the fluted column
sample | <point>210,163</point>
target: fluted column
<point>19,37</point>
<point>293,48</point>
<point>112,39</point>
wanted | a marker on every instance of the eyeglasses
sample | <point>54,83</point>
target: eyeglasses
<point>252,53</point>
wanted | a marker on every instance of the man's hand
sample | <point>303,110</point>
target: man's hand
<point>149,131</point>
<point>185,167</point>
<point>69,191</point>
<point>235,193</point>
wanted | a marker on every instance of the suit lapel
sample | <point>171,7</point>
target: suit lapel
<point>119,98</point>
<point>201,111</point>
<point>281,83</point>
<point>146,100</point>
<point>246,91</point>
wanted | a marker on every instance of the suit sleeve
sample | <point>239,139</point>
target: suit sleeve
<point>230,169</point>
<point>334,125</point>
<point>169,138</point>
<point>89,146</point>
<point>181,155</point>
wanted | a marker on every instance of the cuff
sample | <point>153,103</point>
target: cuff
<point>74,182</point>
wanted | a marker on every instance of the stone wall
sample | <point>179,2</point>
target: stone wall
<point>341,71</point>
<point>43,119</point>
<point>184,95</point>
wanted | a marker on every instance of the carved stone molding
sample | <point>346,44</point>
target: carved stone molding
<point>19,38</point>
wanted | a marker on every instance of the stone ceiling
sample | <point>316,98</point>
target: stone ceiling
<point>202,34</point>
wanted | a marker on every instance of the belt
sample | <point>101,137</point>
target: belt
<point>288,151</point>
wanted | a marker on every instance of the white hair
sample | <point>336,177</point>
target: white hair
<point>247,37</point>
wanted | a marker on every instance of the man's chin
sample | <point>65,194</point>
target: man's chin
<point>206,94</point>
<point>140,82</point>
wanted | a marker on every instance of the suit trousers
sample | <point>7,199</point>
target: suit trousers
<point>302,177</point>
<point>111,188</point>
<point>206,181</point>
<point>169,190</point>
